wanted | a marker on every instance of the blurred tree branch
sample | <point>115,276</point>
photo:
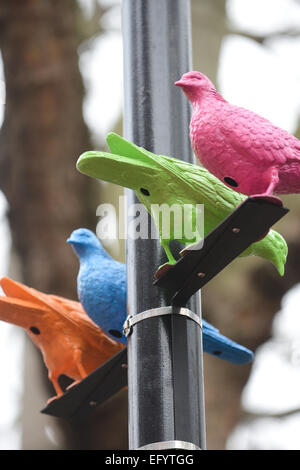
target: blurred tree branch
<point>253,416</point>
<point>262,39</point>
<point>90,27</point>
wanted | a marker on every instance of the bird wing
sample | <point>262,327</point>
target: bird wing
<point>76,313</point>
<point>18,290</point>
<point>208,326</point>
<point>218,345</point>
<point>20,312</point>
<point>120,146</point>
<point>256,137</point>
<point>69,305</point>
<point>206,188</point>
<point>71,311</point>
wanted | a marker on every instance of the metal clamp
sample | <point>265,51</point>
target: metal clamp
<point>158,312</point>
<point>170,445</point>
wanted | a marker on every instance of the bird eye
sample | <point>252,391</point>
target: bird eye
<point>231,181</point>
<point>145,191</point>
<point>217,353</point>
<point>34,330</point>
<point>115,333</point>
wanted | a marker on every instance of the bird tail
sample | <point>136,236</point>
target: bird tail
<point>273,248</point>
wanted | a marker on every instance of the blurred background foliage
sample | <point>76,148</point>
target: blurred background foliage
<point>54,110</point>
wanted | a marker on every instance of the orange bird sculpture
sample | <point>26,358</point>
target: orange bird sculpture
<point>71,344</point>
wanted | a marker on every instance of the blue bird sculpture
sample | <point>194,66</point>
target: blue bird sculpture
<point>218,345</point>
<point>101,283</point>
<point>101,286</point>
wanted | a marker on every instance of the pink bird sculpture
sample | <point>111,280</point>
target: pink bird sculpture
<point>244,150</point>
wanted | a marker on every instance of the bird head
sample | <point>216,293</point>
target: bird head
<point>84,242</point>
<point>194,85</point>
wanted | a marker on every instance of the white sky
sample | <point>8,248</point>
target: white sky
<point>11,350</point>
<point>266,80</point>
<point>261,79</point>
<point>274,386</point>
<point>264,16</point>
<point>267,434</point>
<point>101,66</point>
<point>275,377</point>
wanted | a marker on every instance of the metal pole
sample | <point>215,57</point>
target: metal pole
<point>165,372</point>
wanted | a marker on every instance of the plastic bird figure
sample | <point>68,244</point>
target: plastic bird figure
<point>244,150</point>
<point>218,345</point>
<point>160,180</point>
<point>102,292</point>
<point>71,344</point>
<point>101,283</point>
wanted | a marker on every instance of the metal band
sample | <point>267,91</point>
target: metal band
<point>170,445</point>
<point>158,312</point>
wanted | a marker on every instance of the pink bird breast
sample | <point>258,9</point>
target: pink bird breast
<point>244,150</point>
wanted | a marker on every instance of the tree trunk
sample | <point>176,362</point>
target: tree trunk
<point>42,136</point>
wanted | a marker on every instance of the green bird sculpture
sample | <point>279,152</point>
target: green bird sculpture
<point>158,180</point>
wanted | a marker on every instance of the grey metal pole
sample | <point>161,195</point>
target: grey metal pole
<point>165,372</point>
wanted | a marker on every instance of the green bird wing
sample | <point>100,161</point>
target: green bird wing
<point>120,146</point>
<point>203,187</point>
<point>195,182</point>
<point>206,189</point>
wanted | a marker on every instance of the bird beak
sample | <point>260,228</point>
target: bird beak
<point>179,83</point>
<point>69,240</point>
